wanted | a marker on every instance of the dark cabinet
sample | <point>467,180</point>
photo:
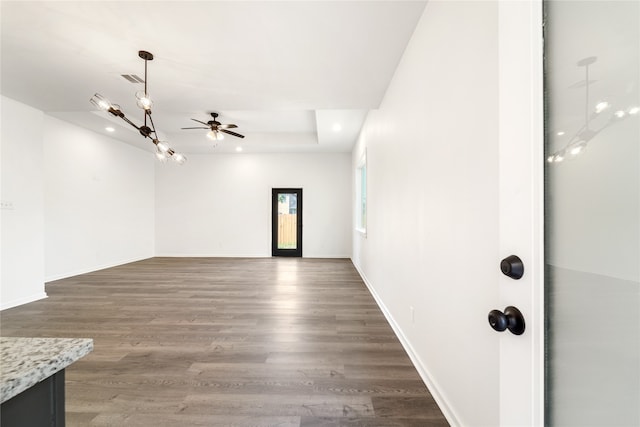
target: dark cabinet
<point>39,406</point>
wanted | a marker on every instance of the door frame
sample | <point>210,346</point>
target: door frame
<point>521,210</point>
<point>297,252</point>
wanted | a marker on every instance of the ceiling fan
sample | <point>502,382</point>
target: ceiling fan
<point>216,129</point>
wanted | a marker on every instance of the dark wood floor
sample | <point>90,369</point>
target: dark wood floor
<point>229,342</point>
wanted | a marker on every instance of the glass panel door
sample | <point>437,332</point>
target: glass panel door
<point>592,202</point>
<point>286,222</point>
<point>287,215</point>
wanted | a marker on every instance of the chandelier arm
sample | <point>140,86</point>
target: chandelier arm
<point>145,77</point>
<point>116,112</point>
<point>595,133</point>
<point>586,100</point>
<point>153,127</point>
<point>576,136</point>
<point>123,117</point>
<point>146,94</point>
<point>138,128</point>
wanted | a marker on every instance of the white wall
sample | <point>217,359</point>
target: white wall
<point>82,201</point>
<point>432,234</point>
<point>220,204</point>
<point>23,221</point>
<point>99,201</point>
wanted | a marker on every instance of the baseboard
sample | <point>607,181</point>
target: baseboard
<point>327,256</point>
<point>427,378</point>
<point>182,255</point>
<point>25,300</point>
<point>268,255</point>
<point>91,269</point>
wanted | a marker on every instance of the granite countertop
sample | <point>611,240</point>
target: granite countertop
<point>25,362</point>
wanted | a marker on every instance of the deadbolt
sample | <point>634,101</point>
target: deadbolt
<point>512,266</point>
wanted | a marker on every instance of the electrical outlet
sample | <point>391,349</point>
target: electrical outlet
<point>6,205</point>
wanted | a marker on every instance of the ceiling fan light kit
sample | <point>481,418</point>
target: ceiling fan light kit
<point>148,129</point>
<point>215,135</point>
<point>216,129</point>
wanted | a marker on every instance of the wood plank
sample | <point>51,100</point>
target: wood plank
<point>221,341</point>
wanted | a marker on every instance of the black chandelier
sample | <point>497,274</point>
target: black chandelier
<point>148,129</point>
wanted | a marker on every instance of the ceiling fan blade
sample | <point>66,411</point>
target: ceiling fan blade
<point>229,126</point>
<point>207,124</point>
<point>199,127</point>
<point>232,133</point>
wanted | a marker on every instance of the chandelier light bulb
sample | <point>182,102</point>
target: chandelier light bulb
<point>100,101</point>
<point>144,101</point>
<point>576,150</point>
<point>161,156</point>
<point>601,106</point>
<point>634,110</point>
<point>162,146</point>
<point>179,158</point>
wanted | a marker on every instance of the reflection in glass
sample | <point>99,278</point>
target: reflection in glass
<point>595,119</point>
<point>592,220</point>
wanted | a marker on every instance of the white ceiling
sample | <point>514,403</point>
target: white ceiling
<point>284,71</point>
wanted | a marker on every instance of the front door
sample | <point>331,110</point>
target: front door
<point>286,222</point>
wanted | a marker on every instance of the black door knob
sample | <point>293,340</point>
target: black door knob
<point>511,319</point>
<point>512,266</point>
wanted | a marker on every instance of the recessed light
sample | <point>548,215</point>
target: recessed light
<point>337,127</point>
<point>560,133</point>
<point>238,149</point>
<point>109,129</point>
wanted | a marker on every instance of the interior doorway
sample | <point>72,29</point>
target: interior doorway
<point>286,222</point>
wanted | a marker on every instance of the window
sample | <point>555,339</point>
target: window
<point>361,195</point>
